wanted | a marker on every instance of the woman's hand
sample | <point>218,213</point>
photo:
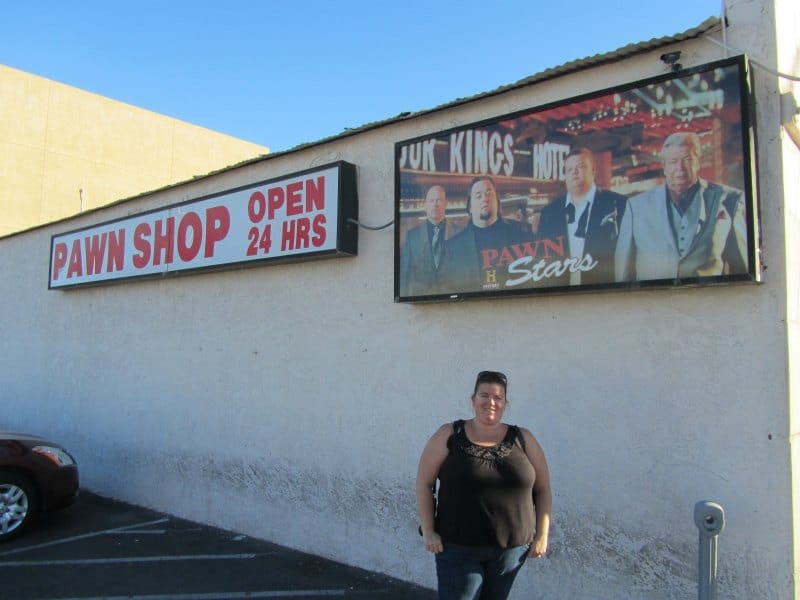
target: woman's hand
<point>538,547</point>
<point>432,542</point>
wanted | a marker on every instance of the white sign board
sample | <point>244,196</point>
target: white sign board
<point>300,215</point>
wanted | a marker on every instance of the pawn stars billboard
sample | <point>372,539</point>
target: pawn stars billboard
<point>643,185</point>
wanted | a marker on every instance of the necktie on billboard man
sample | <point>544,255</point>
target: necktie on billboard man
<point>436,246</point>
<point>581,230</point>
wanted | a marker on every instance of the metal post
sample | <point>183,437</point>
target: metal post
<point>710,520</point>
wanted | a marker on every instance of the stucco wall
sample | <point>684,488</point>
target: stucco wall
<point>292,402</point>
<point>788,61</point>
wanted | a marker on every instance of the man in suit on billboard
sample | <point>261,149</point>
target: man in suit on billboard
<point>424,251</point>
<point>685,228</point>
<point>586,219</point>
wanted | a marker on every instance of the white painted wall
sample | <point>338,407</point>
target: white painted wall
<point>292,402</point>
<point>788,61</point>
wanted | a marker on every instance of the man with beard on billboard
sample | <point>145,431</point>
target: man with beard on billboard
<point>586,218</point>
<point>480,253</point>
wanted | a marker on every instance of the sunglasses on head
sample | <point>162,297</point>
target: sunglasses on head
<point>493,376</point>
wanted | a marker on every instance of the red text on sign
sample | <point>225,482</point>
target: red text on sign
<point>86,256</point>
<point>292,199</point>
<point>157,243</point>
<point>259,241</point>
<point>303,233</point>
<point>493,257</point>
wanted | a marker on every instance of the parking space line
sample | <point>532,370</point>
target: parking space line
<point>221,596</point>
<point>82,537</point>
<point>140,532</point>
<point>123,559</point>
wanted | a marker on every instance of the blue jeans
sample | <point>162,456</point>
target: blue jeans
<point>476,572</point>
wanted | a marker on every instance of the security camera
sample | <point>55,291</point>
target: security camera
<point>671,59</point>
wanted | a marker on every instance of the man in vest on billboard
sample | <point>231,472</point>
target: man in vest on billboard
<point>685,228</point>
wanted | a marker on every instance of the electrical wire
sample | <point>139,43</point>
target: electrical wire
<point>754,61</point>
<point>356,222</point>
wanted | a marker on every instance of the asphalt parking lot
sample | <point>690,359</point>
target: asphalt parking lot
<point>101,548</point>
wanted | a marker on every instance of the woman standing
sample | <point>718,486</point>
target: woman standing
<point>492,477</point>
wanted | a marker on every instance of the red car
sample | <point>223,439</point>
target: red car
<point>36,475</point>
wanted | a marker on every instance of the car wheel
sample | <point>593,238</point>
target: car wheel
<point>17,504</point>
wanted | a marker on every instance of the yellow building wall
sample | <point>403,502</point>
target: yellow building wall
<point>64,150</point>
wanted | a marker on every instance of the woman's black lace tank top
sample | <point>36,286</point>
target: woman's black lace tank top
<point>485,495</point>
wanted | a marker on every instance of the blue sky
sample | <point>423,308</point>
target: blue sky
<point>282,74</point>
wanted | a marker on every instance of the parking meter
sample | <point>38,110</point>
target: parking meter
<point>710,520</point>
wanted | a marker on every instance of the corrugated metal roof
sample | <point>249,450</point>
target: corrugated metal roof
<point>573,66</point>
<point>606,58</point>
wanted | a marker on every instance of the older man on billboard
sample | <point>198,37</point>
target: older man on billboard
<point>685,228</point>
